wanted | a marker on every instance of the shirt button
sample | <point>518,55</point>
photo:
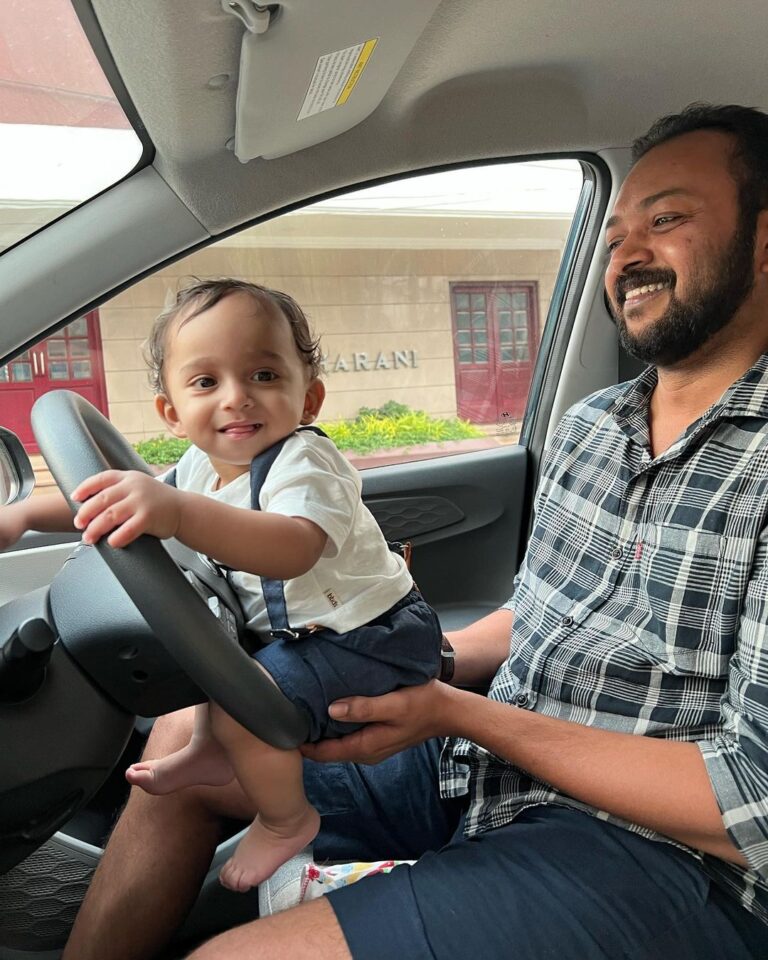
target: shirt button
<point>618,553</point>
<point>567,621</point>
<point>521,699</point>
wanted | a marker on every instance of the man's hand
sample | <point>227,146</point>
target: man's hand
<point>393,722</point>
<point>125,504</point>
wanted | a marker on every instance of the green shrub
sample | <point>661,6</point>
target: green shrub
<point>395,425</point>
<point>390,410</point>
<point>161,451</point>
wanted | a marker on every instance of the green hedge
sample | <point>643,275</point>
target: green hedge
<point>379,428</point>
<point>161,450</point>
<point>395,425</point>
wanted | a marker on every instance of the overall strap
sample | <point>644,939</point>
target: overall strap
<point>262,464</point>
<point>273,590</point>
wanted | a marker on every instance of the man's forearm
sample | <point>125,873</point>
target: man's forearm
<point>47,513</point>
<point>481,648</point>
<point>661,784</point>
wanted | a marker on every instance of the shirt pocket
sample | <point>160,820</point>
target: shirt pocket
<point>693,583</point>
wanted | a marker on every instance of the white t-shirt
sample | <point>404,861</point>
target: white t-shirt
<point>356,579</point>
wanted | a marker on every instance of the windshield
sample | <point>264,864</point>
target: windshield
<point>64,135</point>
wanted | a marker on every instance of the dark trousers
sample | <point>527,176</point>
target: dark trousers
<point>555,883</point>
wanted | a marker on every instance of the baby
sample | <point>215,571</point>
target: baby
<point>236,371</point>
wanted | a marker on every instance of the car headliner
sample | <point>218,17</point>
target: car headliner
<point>486,78</point>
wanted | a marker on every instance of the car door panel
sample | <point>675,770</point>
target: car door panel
<point>464,516</point>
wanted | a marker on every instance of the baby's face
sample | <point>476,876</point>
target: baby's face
<point>236,383</point>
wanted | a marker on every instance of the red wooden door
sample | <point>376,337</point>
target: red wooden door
<point>71,359</point>
<point>495,336</point>
<point>517,331</point>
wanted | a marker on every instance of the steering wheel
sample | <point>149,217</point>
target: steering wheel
<point>77,441</point>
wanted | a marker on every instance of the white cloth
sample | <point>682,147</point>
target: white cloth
<point>356,579</point>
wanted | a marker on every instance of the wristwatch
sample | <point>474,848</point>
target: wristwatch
<point>447,661</point>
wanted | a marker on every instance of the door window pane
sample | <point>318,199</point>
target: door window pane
<point>56,349</point>
<point>21,371</point>
<point>58,370</point>
<point>81,370</point>
<point>78,328</point>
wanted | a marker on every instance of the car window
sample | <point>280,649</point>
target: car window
<point>64,135</point>
<point>430,296</point>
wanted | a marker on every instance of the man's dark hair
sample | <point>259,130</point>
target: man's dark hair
<point>201,295</point>
<point>749,129</point>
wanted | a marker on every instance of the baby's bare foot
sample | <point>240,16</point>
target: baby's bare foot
<point>265,847</point>
<point>197,763</point>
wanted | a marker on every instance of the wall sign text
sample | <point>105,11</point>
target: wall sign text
<point>368,362</point>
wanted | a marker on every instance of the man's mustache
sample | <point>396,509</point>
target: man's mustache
<point>641,278</point>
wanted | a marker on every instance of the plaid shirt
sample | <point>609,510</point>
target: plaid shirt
<point>642,607</point>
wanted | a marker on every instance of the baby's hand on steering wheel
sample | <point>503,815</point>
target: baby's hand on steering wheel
<point>126,504</point>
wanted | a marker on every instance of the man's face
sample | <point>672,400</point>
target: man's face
<point>681,256</point>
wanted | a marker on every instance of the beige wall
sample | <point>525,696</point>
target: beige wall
<point>358,300</point>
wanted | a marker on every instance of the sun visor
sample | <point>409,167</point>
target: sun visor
<point>310,70</point>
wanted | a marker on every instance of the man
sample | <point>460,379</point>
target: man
<point>615,780</point>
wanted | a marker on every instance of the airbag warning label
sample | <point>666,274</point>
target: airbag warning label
<point>335,77</point>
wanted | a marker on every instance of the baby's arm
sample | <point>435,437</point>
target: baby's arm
<point>125,504</point>
<point>48,513</point>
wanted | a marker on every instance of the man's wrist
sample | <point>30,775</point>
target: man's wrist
<point>23,515</point>
<point>447,661</point>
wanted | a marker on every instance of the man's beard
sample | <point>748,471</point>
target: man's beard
<point>716,293</point>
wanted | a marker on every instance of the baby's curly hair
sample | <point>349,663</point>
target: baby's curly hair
<point>201,295</point>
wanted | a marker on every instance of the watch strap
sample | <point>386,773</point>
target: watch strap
<point>447,661</point>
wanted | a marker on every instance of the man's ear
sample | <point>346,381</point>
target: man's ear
<point>761,241</point>
<point>167,412</point>
<point>313,400</point>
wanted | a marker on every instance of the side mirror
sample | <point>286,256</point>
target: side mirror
<point>17,478</point>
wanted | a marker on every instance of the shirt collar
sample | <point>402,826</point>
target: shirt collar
<point>635,397</point>
<point>747,397</point>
